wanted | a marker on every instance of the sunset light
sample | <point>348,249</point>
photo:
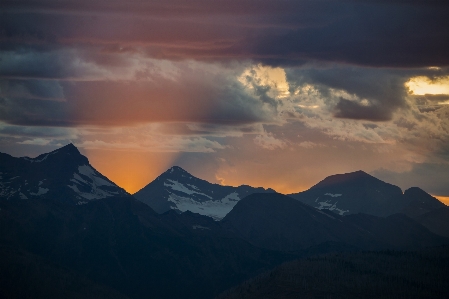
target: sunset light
<point>262,93</point>
<point>224,149</point>
<point>423,85</point>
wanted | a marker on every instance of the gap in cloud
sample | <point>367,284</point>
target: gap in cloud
<point>422,85</point>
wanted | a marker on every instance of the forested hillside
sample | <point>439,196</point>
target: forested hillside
<point>384,274</point>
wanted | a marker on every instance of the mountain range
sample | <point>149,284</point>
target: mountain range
<point>359,192</point>
<point>178,190</point>
<point>77,229</point>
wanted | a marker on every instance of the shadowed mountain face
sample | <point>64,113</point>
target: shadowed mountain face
<point>178,190</point>
<point>437,221</point>
<point>123,244</point>
<point>278,222</point>
<point>368,275</point>
<point>420,202</point>
<point>359,192</point>
<point>64,174</point>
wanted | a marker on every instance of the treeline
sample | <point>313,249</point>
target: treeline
<point>380,275</point>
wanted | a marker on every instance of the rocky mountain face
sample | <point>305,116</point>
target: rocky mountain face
<point>64,174</point>
<point>359,192</point>
<point>178,190</point>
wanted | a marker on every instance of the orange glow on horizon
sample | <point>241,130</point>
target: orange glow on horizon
<point>133,170</point>
<point>443,199</point>
<point>130,170</point>
<point>283,189</point>
<point>260,182</point>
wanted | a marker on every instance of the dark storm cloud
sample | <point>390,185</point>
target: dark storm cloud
<point>193,96</point>
<point>34,112</point>
<point>375,33</point>
<point>33,64</point>
<point>45,132</point>
<point>400,34</point>
<point>350,109</point>
<point>382,89</point>
<point>32,89</point>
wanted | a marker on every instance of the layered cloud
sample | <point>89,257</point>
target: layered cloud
<point>287,31</point>
<point>273,93</point>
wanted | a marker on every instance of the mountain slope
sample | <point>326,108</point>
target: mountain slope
<point>178,190</point>
<point>278,222</point>
<point>370,275</point>
<point>43,279</point>
<point>123,244</point>
<point>437,221</point>
<point>359,192</point>
<point>419,202</point>
<point>64,174</point>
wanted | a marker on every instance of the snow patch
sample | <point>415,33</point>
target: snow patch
<point>22,196</point>
<point>331,207</point>
<point>86,171</point>
<point>96,193</point>
<point>193,186</point>
<point>78,180</point>
<point>333,195</point>
<point>200,227</point>
<point>41,159</point>
<point>36,160</point>
<point>177,186</point>
<point>40,191</point>
<point>80,203</point>
<point>216,209</point>
<point>89,172</point>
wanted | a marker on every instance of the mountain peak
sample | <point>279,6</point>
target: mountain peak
<point>62,153</point>
<point>344,178</point>
<point>176,170</point>
<point>66,149</point>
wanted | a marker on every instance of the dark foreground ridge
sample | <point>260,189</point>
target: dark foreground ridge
<point>278,222</point>
<point>368,275</point>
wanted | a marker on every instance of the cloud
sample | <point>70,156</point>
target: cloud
<point>269,142</point>
<point>36,141</point>
<point>355,93</point>
<point>157,144</point>
<point>46,132</point>
<point>287,32</point>
<point>309,144</point>
<point>353,110</point>
<point>169,92</point>
<point>32,89</point>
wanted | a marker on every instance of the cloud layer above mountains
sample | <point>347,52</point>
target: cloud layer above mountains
<point>274,93</point>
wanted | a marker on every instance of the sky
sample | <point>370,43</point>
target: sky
<point>272,93</point>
